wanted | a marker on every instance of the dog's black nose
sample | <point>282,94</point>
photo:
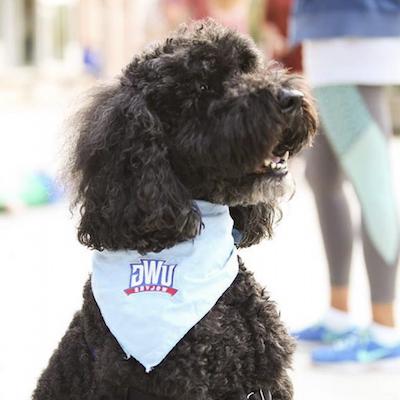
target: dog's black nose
<point>289,99</point>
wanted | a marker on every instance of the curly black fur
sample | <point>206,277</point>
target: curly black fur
<point>191,118</point>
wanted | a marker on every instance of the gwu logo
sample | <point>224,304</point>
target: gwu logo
<point>152,276</point>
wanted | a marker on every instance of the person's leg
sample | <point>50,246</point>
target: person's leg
<point>383,340</point>
<point>326,178</point>
<point>381,275</point>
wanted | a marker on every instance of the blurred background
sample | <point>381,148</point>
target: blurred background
<point>51,52</point>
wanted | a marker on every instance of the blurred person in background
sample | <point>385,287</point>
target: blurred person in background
<point>277,46</point>
<point>234,14</point>
<point>264,20</point>
<point>175,12</point>
<point>351,51</point>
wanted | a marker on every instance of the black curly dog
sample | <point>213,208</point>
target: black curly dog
<point>195,117</point>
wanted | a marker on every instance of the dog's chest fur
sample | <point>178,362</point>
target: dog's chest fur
<point>238,347</point>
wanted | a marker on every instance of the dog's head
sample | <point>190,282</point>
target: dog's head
<point>195,117</point>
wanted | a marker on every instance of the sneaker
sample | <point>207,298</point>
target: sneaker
<point>319,333</point>
<point>358,347</point>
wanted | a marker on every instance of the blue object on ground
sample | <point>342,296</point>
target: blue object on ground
<point>359,347</point>
<point>319,333</point>
<point>40,188</point>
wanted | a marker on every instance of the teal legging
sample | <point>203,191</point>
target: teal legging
<point>326,177</point>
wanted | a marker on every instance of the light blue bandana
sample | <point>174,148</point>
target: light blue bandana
<point>149,302</point>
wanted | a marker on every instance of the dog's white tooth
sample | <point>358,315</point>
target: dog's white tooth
<point>273,165</point>
<point>286,156</point>
<point>278,166</point>
<point>266,162</point>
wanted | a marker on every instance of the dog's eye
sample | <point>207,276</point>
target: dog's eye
<point>203,87</point>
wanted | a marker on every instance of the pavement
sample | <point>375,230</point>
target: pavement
<point>43,269</point>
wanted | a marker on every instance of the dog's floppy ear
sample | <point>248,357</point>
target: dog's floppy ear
<point>128,195</point>
<point>254,222</point>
